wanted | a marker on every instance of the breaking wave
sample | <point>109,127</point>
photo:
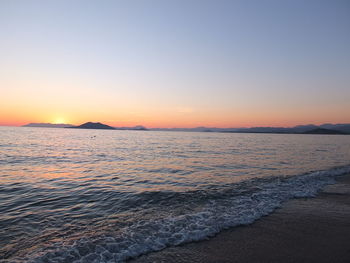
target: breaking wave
<point>193,216</point>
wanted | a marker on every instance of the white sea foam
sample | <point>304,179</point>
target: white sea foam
<point>152,235</point>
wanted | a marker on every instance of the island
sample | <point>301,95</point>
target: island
<point>93,125</point>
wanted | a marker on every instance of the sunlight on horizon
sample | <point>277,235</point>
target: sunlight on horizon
<point>59,120</point>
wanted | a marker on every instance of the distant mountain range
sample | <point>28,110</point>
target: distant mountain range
<point>48,125</point>
<point>134,128</point>
<point>300,129</point>
<point>323,131</point>
<point>87,125</point>
<point>303,129</point>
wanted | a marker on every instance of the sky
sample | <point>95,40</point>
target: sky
<point>180,63</point>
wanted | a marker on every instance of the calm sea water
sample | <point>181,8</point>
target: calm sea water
<point>70,195</point>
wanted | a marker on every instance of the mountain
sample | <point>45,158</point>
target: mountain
<point>265,130</point>
<point>304,128</point>
<point>322,131</point>
<point>94,125</point>
<point>197,129</point>
<point>300,129</point>
<point>134,128</point>
<point>345,128</point>
<point>49,125</point>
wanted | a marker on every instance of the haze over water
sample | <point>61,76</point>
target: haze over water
<point>71,195</point>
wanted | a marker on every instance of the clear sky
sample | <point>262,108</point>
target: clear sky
<point>179,63</point>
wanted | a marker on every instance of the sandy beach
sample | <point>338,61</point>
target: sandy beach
<point>302,230</point>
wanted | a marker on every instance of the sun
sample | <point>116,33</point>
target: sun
<point>59,120</point>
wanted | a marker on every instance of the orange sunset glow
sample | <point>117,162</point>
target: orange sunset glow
<point>112,73</point>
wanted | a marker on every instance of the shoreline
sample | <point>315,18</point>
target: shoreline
<point>315,229</point>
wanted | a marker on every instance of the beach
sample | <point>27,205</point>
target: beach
<point>303,230</point>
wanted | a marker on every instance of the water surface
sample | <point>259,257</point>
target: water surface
<point>69,195</point>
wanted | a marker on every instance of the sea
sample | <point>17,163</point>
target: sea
<point>74,195</point>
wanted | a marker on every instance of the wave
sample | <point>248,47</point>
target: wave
<point>239,204</point>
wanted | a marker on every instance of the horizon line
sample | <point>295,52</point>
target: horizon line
<point>174,127</point>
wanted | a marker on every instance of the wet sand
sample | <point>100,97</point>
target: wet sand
<point>303,230</point>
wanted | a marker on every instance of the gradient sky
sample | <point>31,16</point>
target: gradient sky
<point>175,63</point>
